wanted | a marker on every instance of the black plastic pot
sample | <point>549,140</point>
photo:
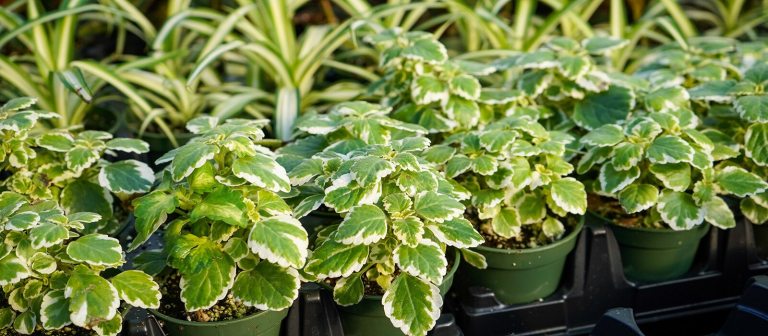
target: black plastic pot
<point>523,275</point>
<point>264,323</point>
<point>368,318</point>
<point>653,255</point>
<point>761,240</point>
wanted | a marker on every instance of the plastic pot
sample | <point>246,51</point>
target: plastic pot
<point>760,233</point>
<point>368,318</point>
<point>523,275</point>
<point>263,323</point>
<point>654,255</point>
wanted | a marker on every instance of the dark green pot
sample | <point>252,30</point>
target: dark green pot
<point>264,323</point>
<point>523,275</point>
<point>760,232</point>
<point>653,255</point>
<point>368,318</point>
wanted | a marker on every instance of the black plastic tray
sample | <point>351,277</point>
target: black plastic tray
<point>593,282</point>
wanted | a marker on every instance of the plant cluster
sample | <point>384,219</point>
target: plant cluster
<point>227,229</point>
<point>54,270</point>
<point>399,214</point>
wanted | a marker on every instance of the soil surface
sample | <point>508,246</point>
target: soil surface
<point>224,310</point>
<point>66,331</point>
<point>611,209</point>
<point>531,236</point>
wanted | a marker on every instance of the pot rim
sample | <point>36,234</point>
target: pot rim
<point>572,235</point>
<point>212,324</point>
<point>652,230</point>
<point>451,272</point>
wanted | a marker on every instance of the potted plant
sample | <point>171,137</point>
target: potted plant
<point>386,260</point>
<point>55,274</point>
<point>232,246</point>
<point>659,186</point>
<point>522,203</point>
<point>748,125</point>
<point>69,166</point>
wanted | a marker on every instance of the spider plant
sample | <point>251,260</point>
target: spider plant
<point>46,65</point>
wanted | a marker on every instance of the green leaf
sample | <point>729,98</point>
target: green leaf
<point>739,182</point>
<point>371,169</point>
<point>84,196</point>
<point>638,197</point>
<point>475,259</point>
<point>202,124</point>
<point>675,176</point>
<point>531,208</point>
<point>397,203</point>
<point>91,297</point>
<point>604,136</point>
<point>551,227</point>
<point>127,177</point>
<point>754,212</point>
<point>717,212</point>
<point>25,323</point>
<point>715,91</point>
<point>427,50</point>
<point>97,250</point>
<point>281,240</point>
<point>679,210</point>
<point>607,107</point>
<point>18,104</point>
<point>667,99</point>
<point>79,157</point>
<point>613,181</point>
<point>111,327</point>
<point>223,204</point>
<point>568,193</point>
<point>497,140</point>
<point>425,260</point>
<point>349,290</point>
<point>408,230</point>
<point>465,86</point>
<point>506,222</point>
<point>203,288</point>
<point>305,171</point>
<point>42,263</point>
<point>47,235</point>
<point>573,66</point>
<point>6,317</point>
<point>12,270</point>
<point>627,155</point>
<point>669,149</point>
<point>752,108</point>
<point>267,287</point>
<point>457,232</point>
<point>128,145</point>
<point>437,207</point>
<point>412,305</point>
<point>22,221</point>
<point>439,154</point>
<point>54,310</point>
<point>190,157</point>
<point>333,260</point>
<point>151,211</point>
<point>344,194</point>
<point>262,171</point>
<point>56,141</point>
<point>457,165</point>
<point>465,112</point>
<point>602,44</point>
<point>137,289</point>
<point>485,165</point>
<point>428,89</point>
<point>754,143</point>
<point>365,224</point>
<point>758,73</point>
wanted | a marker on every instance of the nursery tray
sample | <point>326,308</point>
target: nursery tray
<point>593,282</point>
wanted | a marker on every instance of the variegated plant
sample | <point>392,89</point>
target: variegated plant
<point>229,230</point>
<point>69,166</point>
<point>399,215</point>
<point>515,170</point>
<point>663,170</point>
<point>53,274</point>
<point>568,81</point>
<point>423,85</point>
